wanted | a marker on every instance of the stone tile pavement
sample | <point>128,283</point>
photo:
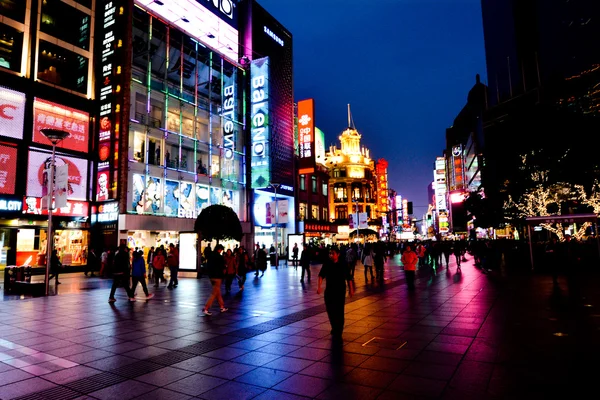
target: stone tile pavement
<point>468,335</point>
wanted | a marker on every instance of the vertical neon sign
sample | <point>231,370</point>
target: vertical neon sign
<point>260,129</point>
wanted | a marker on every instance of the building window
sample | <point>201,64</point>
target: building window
<point>139,147</point>
<point>66,23</point>
<point>341,212</point>
<point>325,189</point>
<point>62,67</point>
<point>302,211</point>
<point>313,180</point>
<point>302,182</point>
<point>14,9</point>
<point>11,47</point>
<point>314,212</point>
<point>325,214</point>
<point>339,192</point>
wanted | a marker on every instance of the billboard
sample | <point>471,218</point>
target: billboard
<point>439,179</point>
<point>8,169</point>
<point>319,146</point>
<point>212,22</point>
<point>33,205</point>
<point>260,135</point>
<point>12,113</point>
<point>37,179</point>
<point>49,115</point>
<point>306,134</point>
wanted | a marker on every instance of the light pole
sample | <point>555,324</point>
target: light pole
<point>275,186</point>
<point>54,136</point>
<point>355,200</point>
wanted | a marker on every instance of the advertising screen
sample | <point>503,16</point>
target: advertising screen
<point>47,114</point>
<point>12,113</point>
<point>8,166</point>
<point>202,195</point>
<point>33,205</point>
<point>186,197</point>
<point>171,198</point>
<point>37,179</point>
<point>211,22</point>
<point>260,123</point>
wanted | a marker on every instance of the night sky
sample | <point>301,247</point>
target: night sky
<point>405,67</point>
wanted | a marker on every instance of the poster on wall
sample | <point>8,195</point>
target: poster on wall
<point>77,178</point>
<point>137,197</point>
<point>8,166</point>
<point>215,195</point>
<point>186,200</point>
<point>12,113</point>
<point>102,186</point>
<point>49,115</point>
<point>153,195</point>
<point>171,198</point>
<point>202,197</point>
<point>227,199</point>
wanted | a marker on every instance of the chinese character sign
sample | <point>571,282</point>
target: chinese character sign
<point>47,114</point>
<point>8,173</point>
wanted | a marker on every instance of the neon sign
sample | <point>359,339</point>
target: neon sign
<point>259,116</point>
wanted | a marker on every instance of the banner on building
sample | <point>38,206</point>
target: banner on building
<point>363,220</point>
<point>61,186</point>
<point>260,133</point>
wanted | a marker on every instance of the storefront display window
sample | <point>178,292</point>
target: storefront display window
<point>72,246</point>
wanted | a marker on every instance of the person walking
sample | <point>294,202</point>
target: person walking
<point>295,256</point>
<point>242,266</point>
<point>92,263</point>
<point>173,262</point>
<point>55,266</point>
<point>368,260</point>
<point>336,274</point>
<point>158,264</point>
<point>216,272</point>
<point>351,258</point>
<point>409,260</point>
<point>103,263</point>
<point>230,269</point>
<point>120,273</point>
<point>149,259</point>
<point>305,262</point>
<point>138,274</point>
<point>261,260</point>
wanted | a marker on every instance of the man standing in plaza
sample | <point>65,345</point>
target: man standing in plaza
<point>173,262</point>
<point>336,273</point>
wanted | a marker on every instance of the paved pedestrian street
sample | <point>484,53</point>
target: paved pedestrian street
<point>473,335</point>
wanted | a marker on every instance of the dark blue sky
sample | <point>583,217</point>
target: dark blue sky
<point>405,67</point>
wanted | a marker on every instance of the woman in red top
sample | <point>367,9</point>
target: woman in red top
<point>158,263</point>
<point>409,260</point>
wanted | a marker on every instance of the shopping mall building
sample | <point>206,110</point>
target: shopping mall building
<point>172,107</point>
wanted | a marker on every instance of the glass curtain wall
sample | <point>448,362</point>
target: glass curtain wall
<point>186,147</point>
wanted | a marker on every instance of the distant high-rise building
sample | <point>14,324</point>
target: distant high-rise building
<point>532,43</point>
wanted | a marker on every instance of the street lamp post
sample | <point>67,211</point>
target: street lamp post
<point>275,186</point>
<point>54,136</point>
<point>355,200</point>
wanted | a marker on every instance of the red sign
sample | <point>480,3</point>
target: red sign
<point>33,205</point>
<point>8,166</point>
<point>12,113</point>
<point>55,116</point>
<point>306,128</point>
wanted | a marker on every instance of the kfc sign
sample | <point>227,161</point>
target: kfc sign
<point>12,113</point>
<point>54,116</point>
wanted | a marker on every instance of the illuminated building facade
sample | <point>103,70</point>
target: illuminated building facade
<point>46,64</point>
<point>352,181</point>
<point>267,47</point>
<point>313,177</point>
<point>171,135</point>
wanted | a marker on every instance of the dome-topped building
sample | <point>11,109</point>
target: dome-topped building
<point>352,180</point>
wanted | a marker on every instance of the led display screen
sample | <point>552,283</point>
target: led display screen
<point>306,128</point>
<point>37,179</point>
<point>12,113</point>
<point>8,169</point>
<point>33,205</point>
<point>47,114</point>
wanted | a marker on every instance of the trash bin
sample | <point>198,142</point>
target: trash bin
<point>9,277</point>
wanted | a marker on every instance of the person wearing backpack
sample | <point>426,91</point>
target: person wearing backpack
<point>138,274</point>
